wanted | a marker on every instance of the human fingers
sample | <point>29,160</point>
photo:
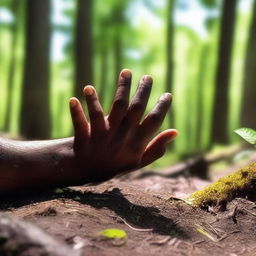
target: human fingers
<point>80,123</point>
<point>139,102</point>
<point>154,119</point>
<point>121,100</point>
<point>97,120</point>
<point>156,147</point>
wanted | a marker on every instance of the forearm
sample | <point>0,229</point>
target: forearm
<point>36,164</point>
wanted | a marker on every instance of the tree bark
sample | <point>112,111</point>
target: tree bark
<point>220,111</point>
<point>248,113</point>
<point>83,47</point>
<point>35,113</point>
<point>169,53</point>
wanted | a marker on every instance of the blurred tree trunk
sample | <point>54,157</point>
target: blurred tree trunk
<point>169,53</point>
<point>103,59</point>
<point>220,110</point>
<point>103,72</point>
<point>248,114</point>
<point>119,22</point>
<point>35,113</point>
<point>83,46</point>
<point>118,47</point>
<point>15,10</point>
<point>200,96</point>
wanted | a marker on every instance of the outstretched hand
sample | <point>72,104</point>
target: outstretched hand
<point>122,141</point>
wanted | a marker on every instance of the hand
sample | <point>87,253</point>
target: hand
<point>122,141</point>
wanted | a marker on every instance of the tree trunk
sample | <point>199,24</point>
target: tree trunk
<point>118,48</point>
<point>35,113</point>
<point>83,47</point>
<point>103,71</point>
<point>169,53</point>
<point>15,9</point>
<point>220,111</point>
<point>248,115</point>
<point>200,99</point>
<point>119,23</point>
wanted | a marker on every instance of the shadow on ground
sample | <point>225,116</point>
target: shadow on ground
<point>137,215</point>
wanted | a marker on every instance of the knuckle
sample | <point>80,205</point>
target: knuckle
<point>121,103</point>
<point>123,82</point>
<point>77,112</point>
<point>96,114</point>
<point>145,86</point>
<point>164,104</point>
<point>78,122</point>
<point>136,148</point>
<point>137,107</point>
<point>155,118</point>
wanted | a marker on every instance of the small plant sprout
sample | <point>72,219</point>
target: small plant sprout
<point>117,236</point>
<point>113,233</point>
<point>247,134</point>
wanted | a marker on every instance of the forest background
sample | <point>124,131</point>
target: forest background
<point>202,51</point>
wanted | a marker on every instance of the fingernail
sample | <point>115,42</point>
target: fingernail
<point>73,102</point>
<point>126,73</point>
<point>173,135</point>
<point>166,96</point>
<point>88,90</point>
<point>147,79</point>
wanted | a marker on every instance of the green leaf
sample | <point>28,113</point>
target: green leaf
<point>247,134</point>
<point>113,233</point>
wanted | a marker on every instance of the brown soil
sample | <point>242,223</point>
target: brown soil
<point>141,206</point>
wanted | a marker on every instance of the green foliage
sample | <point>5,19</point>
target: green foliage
<point>209,3</point>
<point>247,134</point>
<point>5,3</point>
<point>140,26</point>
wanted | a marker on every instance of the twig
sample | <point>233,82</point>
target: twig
<point>226,235</point>
<point>252,213</point>
<point>136,229</point>
<point>162,241</point>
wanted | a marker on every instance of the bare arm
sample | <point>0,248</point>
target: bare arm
<point>102,148</point>
<point>36,164</point>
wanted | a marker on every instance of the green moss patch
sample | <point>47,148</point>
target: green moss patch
<point>225,189</point>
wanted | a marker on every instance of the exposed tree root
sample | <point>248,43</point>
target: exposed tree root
<point>225,189</point>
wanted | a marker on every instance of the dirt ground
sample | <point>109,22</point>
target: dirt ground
<point>141,206</point>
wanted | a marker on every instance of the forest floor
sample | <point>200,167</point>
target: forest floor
<point>142,206</point>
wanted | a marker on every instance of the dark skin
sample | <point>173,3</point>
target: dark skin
<point>101,149</point>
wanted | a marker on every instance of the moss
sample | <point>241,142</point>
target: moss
<point>225,189</point>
